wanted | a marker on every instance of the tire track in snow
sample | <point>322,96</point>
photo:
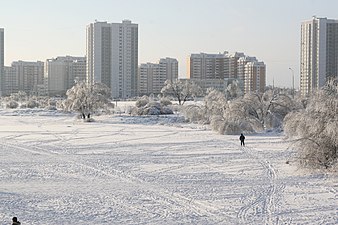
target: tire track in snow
<point>266,197</point>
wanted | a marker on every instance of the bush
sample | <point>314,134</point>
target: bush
<point>12,105</point>
<point>142,101</point>
<point>32,104</point>
<point>148,106</point>
<point>165,101</point>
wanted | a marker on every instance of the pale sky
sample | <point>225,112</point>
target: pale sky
<point>268,29</point>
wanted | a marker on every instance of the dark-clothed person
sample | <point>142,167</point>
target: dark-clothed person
<point>242,138</point>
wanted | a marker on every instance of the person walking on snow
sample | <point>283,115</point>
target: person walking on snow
<point>15,221</point>
<point>242,139</point>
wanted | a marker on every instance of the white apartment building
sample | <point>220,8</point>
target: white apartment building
<point>147,72</point>
<point>152,76</point>
<point>27,76</point>
<point>62,72</point>
<point>112,56</point>
<point>10,81</point>
<point>319,53</point>
<point>2,56</point>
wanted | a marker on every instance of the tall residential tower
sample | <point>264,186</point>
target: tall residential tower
<point>112,56</point>
<point>319,53</point>
<point>2,56</point>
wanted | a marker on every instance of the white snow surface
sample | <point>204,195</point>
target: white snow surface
<point>119,169</point>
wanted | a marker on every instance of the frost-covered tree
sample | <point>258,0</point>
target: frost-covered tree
<point>181,90</point>
<point>233,90</point>
<point>251,113</point>
<point>85,98</point>
<point>264,110</point>
<point>315,128</point>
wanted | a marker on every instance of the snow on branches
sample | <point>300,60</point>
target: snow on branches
<point>181,90</point>
<point>85,98</point>
<point>315,128</point>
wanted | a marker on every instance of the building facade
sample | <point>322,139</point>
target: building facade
<point>152,76</point>
<point>147,71</point>
<point>112,56</point>
<point>319,53</point>
<point>25,76</point>
<point>62,72</point>
<point>248,71</point>
<point>2,56</point>
<point>254,77</point>
<point>10,81</point>
<point>208,66</point>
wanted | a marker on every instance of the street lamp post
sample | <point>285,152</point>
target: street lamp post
<point>293,83</point>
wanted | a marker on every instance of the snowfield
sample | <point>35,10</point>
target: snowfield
<point>56,169</point>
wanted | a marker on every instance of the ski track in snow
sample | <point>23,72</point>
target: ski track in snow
<point>142,174</point>
<point>264,199</point>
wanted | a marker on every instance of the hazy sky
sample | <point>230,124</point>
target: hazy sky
<point>268,29</point>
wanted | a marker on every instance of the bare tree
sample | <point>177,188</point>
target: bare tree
<point>181,90</point>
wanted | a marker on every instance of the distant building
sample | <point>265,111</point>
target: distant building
<point>254,77</point>
<point>234,65</point>
<point>147,72</point>
<point>27,76</point>
<point>10,81</point>
<point>319,53</point>
<point>225,67</point>
<point>152,76</point>
<point>62,72</point>
<point>2,56</point>
<point>112,56</point>
<point>208,66</point>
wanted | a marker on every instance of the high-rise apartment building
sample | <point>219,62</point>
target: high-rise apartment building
<point>147,72</point>
<point>319,53</point>
<point>226,67</point>
<point>62,72</point>
<point>208,66</point>
<point>28,76</point>
<point>112,56</point>
<point>2,56</point>
<point>234,65</point>
<point>10,81</point>
<point>254,77</point>
<point>152,76</point>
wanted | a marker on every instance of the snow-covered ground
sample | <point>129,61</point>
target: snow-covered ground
<point>55,169</point>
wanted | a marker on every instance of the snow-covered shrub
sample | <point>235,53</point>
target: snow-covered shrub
<point>146,107</point>
<point>152,110</point>
<point>12,105</point>
<point>165,110</point>
<point>314,128</point>
<point>165,101</point>
<point>194,113</point>
<point>232,127</point>
<point>19,96</point>
<point>32,104</point>
<point>217,123</point>
<point>144,100</point>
